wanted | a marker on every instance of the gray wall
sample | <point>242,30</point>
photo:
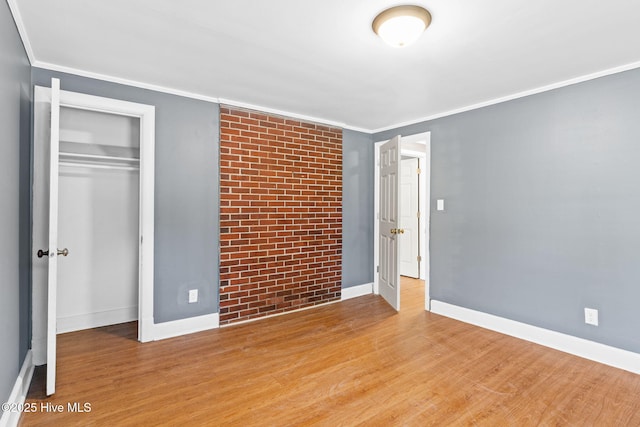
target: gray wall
<point>186,196</point>
<point>357,208</point>
<point>542,206</point>
<point>15,99</point>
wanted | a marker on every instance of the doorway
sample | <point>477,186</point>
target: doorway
<point>65,150</point>
<point>98,204</point>
<point>409,253</point>
<point>417,149</point>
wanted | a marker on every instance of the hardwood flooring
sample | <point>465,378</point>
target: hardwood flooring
<point>355,362</point>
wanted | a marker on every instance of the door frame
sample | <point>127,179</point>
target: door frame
<point>425,208</point>
<point>146,115</point>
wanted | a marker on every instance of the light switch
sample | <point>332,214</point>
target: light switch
<point>440,204</point>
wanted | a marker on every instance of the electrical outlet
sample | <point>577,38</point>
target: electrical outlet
<point>591,316</point>
<point>193,295</point>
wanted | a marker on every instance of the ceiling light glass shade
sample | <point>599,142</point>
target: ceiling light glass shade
<point>401,25</point>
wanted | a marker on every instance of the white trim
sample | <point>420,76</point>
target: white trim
<point>376,214</point>
<point>96,320</point>
<point>612,356</point>
<point>147,218</point>
<point>190,325</point>
<point>122,81</point>
<point>105,105</point>
<point>356,291</point>
<point>22,31</point>
<point>192,95</point>
<point>242,322</point>
<point>19,392</point>
<point>146,114</point>
<point>535,91</point>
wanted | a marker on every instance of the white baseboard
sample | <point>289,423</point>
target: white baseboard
<point>18,393</point>
<point>96,320</point>
<point>356,291</point>
<point>185,326</point>
<point>612,356</point>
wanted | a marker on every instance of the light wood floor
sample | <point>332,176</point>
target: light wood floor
<point>351,363</point>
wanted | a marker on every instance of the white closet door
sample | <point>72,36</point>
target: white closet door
<point>52,280</point>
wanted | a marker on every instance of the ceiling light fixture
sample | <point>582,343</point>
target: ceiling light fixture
<point>401,25</point>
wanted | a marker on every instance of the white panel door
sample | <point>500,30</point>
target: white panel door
<point>52,277</point>
<point>389,275</point>
<point>410,220</point>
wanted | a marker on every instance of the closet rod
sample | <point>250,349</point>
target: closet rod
<point>96,166</point>
<point>99,157</point>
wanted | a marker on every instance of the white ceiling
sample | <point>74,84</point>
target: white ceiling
<point>321,59</point>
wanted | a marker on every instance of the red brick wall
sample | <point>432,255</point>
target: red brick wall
<point>280,214</point>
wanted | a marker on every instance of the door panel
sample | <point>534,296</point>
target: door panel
<point>389,277</point>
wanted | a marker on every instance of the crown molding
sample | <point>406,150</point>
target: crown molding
<point>186,94</point>
<point>122,81</point>
<point>541,89</point>
<point>240,104</point>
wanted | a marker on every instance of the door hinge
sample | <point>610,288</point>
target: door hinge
<point>419,171</point>
<point>419,258</point>
<point>377,269</point>
<point>418,215</point>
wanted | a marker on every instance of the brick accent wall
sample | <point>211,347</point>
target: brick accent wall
<point>280,214</point>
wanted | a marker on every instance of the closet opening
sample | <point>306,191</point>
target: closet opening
<point>93,217</point>
<point>98,219</point>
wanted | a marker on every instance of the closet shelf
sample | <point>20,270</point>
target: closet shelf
<point>96,157</point>
<point>101,166</point>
